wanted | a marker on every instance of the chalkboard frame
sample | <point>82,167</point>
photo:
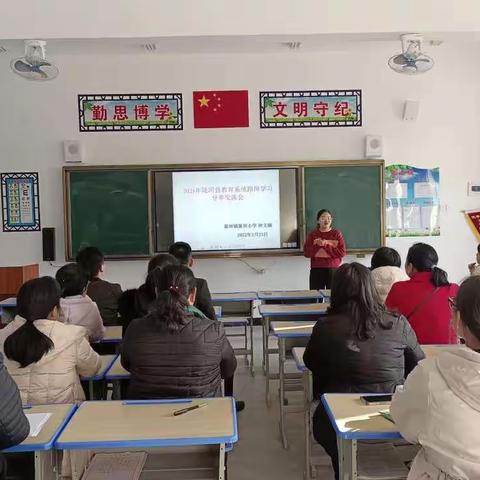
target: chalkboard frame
<point>151,168</point>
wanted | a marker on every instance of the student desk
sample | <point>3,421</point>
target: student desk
<point>233,303</point>
<point>46,464</point>
<point>307,311</point>
<point>352,420</point>
<point>290,295</point>
<point>113,334</point>
<point>307,402</point>
<point>115,374</point>
<point>150,425</point>
<point>434,350</point>
<point>8,308</point>
<point>107,361</point>
<point>284,331</point>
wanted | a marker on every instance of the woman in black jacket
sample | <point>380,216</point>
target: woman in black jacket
<point>14,427</point>
<point>170,353</point>
<point>135,303</point>
<point>357,347</point>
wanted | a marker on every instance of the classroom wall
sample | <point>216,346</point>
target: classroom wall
<point>36,117</point>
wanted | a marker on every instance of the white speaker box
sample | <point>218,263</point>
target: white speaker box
<point>373,146</point>
<point>410,110</point>
<point>72,151</point>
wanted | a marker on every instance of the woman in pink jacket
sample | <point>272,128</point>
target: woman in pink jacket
<point>77,308</point>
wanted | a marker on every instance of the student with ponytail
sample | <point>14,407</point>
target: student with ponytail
<point>173,351</point>
<point>44,356</point>
<point>423,299</point>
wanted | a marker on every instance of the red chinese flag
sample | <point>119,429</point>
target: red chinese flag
<point>220,109</point>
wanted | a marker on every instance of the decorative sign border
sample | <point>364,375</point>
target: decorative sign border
<point>20,199</point>
<point>132,112</point>
<point>320,103</point>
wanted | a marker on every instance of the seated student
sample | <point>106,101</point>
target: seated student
<point>439,406</point>
<point>474,268</point>
<point>76,307</point>
<point>423,299</point>
<point>44,356</point>
<point>385,267</point>
<point>357,347</point>
<point>103,293</point>
<point>170,353</point>
<point>182,251</point>
<point>14,426</point>
<point>134,303</point>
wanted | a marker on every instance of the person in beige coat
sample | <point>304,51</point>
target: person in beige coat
<point>45,357</point>
<point>385,267</point>
<point>439,406</point>
<point>76,307</point>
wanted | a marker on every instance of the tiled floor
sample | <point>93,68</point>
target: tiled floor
<point>259,453</point>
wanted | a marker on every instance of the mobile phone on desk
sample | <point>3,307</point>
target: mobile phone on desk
<point>377,399</point>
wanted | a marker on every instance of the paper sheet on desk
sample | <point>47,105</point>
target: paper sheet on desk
<point>116,466</point>
<point>37,421</point>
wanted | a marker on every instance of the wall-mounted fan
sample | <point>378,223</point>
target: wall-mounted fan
<point>34,66</point>
<point>412,61</point>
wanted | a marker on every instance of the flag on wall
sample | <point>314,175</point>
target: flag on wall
<point>220,109</point>
<point>473,219</point>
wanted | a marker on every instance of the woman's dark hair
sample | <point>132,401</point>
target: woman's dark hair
<point>467,303</point>
<point>72,279</point>
<point>354,294</point>
<point>161,260</point>
<point>35,300</point>
<point>155,267</point>
<point>173,285</point>
<point>385,257</point>
<point>424,258</point>
<point>91,260</point>
<point>322,211</point>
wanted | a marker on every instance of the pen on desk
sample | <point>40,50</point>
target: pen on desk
<point>176,413</point>
<point>26,407</point>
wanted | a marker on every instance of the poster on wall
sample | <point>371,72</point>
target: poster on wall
<point>473,220</point>
<point>412,201</point>
<point>119,113</point>
<point>20,202</point>
<point>311,108</point>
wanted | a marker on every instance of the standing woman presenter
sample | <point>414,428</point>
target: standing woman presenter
<point>325,248</point>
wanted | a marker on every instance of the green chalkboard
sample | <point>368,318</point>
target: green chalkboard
<point>109,209</point>
<point>354,195</point>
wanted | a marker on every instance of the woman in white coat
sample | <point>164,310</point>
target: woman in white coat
<point>439,407</point>
<point>385,267</point>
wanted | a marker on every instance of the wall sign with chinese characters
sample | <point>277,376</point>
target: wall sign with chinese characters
<point>152,111</point>
<point>20,202</point>
<point>316,108</point>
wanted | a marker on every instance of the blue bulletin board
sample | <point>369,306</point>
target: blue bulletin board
<point>20,202</point>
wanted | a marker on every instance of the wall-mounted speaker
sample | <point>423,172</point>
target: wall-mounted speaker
<point>373,146</point>
<point>48,244</point>
<point>410,110</point>
<point>72,151</point>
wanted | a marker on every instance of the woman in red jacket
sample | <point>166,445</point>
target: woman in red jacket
<point>424,298</point>
<point>326,248</point>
